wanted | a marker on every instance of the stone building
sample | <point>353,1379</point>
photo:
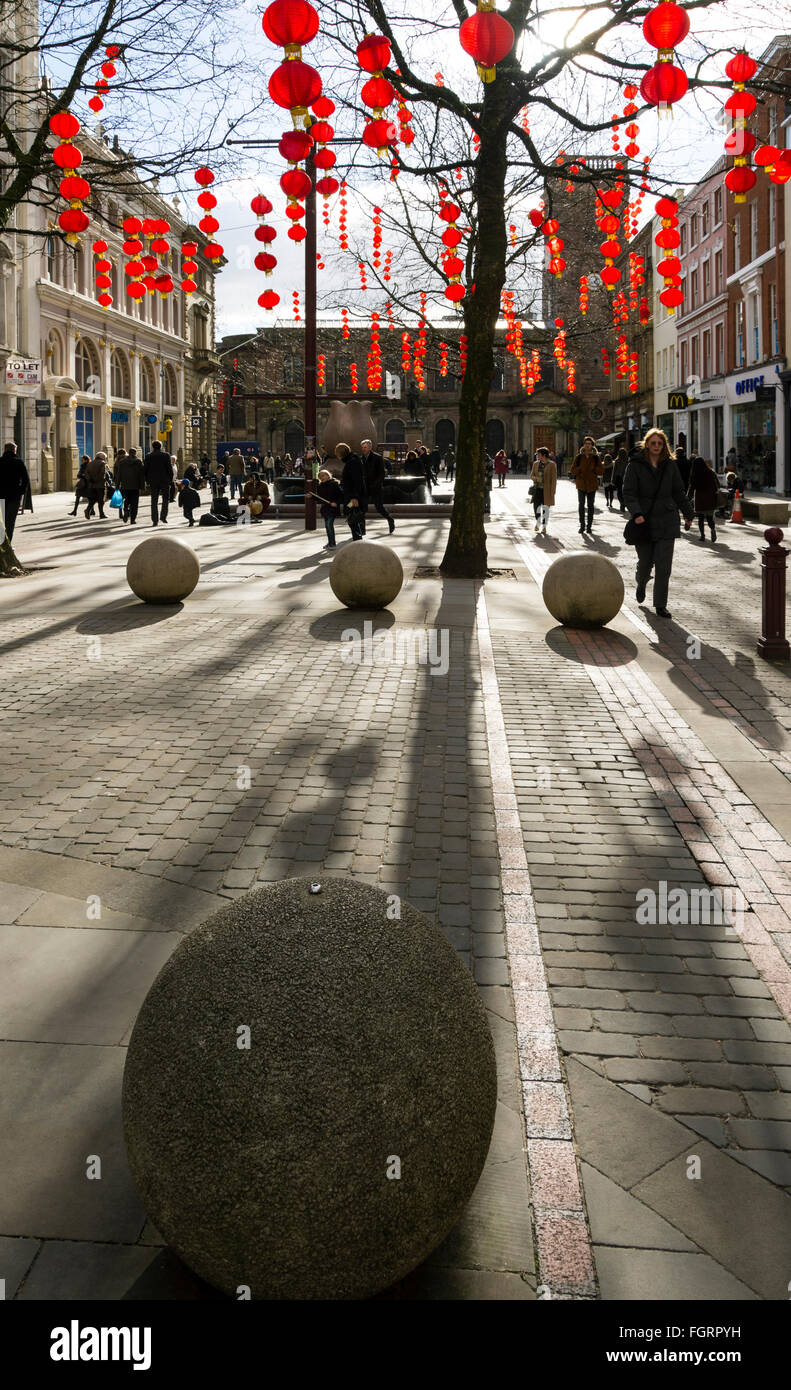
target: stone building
<point>270,364</point>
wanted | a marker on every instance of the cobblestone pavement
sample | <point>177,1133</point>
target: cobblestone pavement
<point>523,797</point>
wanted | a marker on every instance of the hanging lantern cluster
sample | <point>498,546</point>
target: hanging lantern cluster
<point>452,263</point>
<point>632,211</point>
<point>462,354</point>
<point>208,224</point>
<point>664,27</point>
<point>373,55</point>
<point>73,187</point>
<point>584,292</point>
<point>559,345</point>
<point>488,38</point>
<point>386,276</point>
<point>740,142</point>
<point>294,147</point>
<point>443,359</point>
<point>135,270</point>
<point>636,278</point>
<point>554,243</point>
<point>189,266</point>
<point>621,357</point>
<point>343,236</point>
<point>102,268</point>
<point>571,376</point>
<point>373,373</point>
<point>376,259</point>
<point>668,239</point>
<point>645,310</point>
<point>295,305</point>
<point>390,319</point>
<point>631,130</point>
<point>264,261</point>
<point>406,359</point>
<point>608,221</point>
<point>420,346</point>
<point>324,160</point>
<point>294,85</point>
<point>101,86</point>
<point>405,134</point>
<point>620,309</point>
<point>634,372</point>
<point>353,376</point>
<point>533,371</point>
<point>321,370</point>
<point>363,276</point>
<point>605,361</point>
<point>345,323</point>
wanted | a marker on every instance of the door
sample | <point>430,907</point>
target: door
<point>445,436</point>
<point>84,429</point>
<point>117,437</point>
<point>543,438</point>
<point>495,436</point>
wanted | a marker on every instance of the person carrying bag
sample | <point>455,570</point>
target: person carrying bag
<point>654,495</point>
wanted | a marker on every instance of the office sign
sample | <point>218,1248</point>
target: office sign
<point>43,408</point>
<point>765,395</point>
<point>119,417</point>
<point>677,400</point>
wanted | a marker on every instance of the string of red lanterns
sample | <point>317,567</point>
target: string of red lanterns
<point>373,55</point>
<point>740,142</point>
<point>664,27</point>
<point>102,268</point>
<point>608,221</point>
<point>668,239</point>
<point>73,187</point>
<point>189,266</point>
<point>109,70</point>
<point>584,293</point>
<point>213,251</point>
<point>294,85</point>
<point>452,263</point>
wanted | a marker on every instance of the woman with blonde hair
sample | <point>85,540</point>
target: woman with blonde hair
<point>654,494</point>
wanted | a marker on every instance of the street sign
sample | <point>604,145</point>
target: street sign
<point>765,395</point>
<point>677,400</point>
<point>23,371</point>
<point>151,419</point>
<point>195,421</point>
<point>43,407</point>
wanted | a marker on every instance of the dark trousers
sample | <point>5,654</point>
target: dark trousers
<point>375,499</point>
<point>658,555</point>
<point>609,493</point>
<point>131,498</point>
<point>188,515</point>
<point>95,499</point>
<point>356,519</point>
<point>704,517</point>
<point>329,527</point>
<point>11,510</point>
<point>538,501</point>
<point>156,494</point>
<point>586,499</point>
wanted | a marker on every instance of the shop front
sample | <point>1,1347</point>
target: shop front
<point>755,422</point>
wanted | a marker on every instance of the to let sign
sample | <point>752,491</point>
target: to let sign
<point>23,371</point>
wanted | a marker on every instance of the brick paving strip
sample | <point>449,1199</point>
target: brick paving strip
<point>565,1259</point>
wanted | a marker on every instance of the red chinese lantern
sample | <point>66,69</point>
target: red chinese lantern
<point>741,104</point>
<point>610,275</point>
<point>269,299</point>
<point>73,188</point>
<point>295,183</point>
<point>323,108</point>
<point>96,104</point>
<point>136,290</point>
<point>207,201</point>
<point>740,180</point>
<point>265,261</point>
<point>663,85</point>
<point>373,53</point>
<point>204,176</point>
<point>295,85</point>
<point>488,38</point>
<point>189,248</point>
<point>295,146</point>
<point>64,125</point>
<point>671,297</point>
<point>327,186</point>
<point>265,234</point>
<point>378,93</point>
<point>188,286</point>
<point>105,300</point>
<point>290,24</point>
<point>297,233</point>
<point>380,135</point>
<point>213,251</point>
<point>666,26</point>
<point>261,205</point>
<point>67,156</point>
<point>741,68</point>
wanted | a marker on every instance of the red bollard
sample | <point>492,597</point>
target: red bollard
<point>772,644</point>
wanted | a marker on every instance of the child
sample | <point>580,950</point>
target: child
<point>331,496</point>
<point>189,499</point>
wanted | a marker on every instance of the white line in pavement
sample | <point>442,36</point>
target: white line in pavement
<point>538,562</point>
<point>563,1247</point>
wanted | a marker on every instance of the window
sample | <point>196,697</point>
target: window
<point>755,314</point>
<point>774,328</point>
<point>772,217</point>
<point>119,376</point>
<point>171,387</point>
<point>693,290</point>
<point>706,272</point>
<point>753,231</point>
<point>444,435</point>
<point>694,363</point>
<point>683,234</point>
<point>294,438</point>
<point>717,207</point>
<point>495,436</point>
<point>693,230</point>
<point>664,366</point>
<point>772,124</point>
<point>342,377</point>
<point>498,380</point>
<point>395,432</point>
<point>84,429</point>
<point>52,260</point>
<point>704,220</point>
<point>447,382</point>
<point>658,365</point>
<point>86,369</point>
<point>80,280</point>
<point>740,333</point>
<point>719,349</point>
<point>737,242</point>
<point>294,370</point>
<point>684,361</point>
<point>706,363</point>
<point>148,390</point>
<point>719,281</point>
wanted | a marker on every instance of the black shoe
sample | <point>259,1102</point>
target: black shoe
<point>582,530</point>
<point>663,613</point>
<point>164,520</point>
<point>589,530</point>
<point>639,593</point>
<point>714,535</point>
<point>391,524</point>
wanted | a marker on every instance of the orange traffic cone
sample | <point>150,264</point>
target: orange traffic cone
<point>736,514</point>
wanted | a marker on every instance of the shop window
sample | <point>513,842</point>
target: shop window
<point>83,421</point>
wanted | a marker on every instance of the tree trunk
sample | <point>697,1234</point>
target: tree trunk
<point>465,555</point>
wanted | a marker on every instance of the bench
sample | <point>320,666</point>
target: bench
<point>769,511</point>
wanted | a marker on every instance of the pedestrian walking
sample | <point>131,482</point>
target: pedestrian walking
<point>374,469</point>
<point>684,466</point>
<point>355,497</point>
<point>488,481</point>
<point>14,483</point>
<point>587,469</point>
<point>269,467</point>
<point>704,489</point>
<point>450,464</point>
<point>188,499</point>
<point>330,494</point>
<point>500,466</point>
<point>620,465</point>
<point>129,476</point>
<point>96,484</point>
<point>236,472</point>
<point>80,485</point>
<point>159,476</point>
<point>654,495</point>
<point>608,467</point>
<point>544,477</point>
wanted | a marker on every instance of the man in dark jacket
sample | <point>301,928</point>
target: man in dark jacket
<point>653,485</point>
<point>159,476</point>
<point>130,478</point>
<point>374,467</point>
<point>14,483</point>
<point>355,494</point>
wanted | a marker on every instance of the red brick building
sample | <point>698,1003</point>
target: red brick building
<point>702,347</point>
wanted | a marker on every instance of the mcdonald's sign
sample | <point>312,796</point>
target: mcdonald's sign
<point>677,400</point>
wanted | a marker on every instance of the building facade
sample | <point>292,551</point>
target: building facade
<point>633,411</point>
<point>702,321</point>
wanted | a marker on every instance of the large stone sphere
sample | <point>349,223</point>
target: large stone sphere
<point>309,1092</point>
<point>162,569</point>
<point>366,574</point>
<point>583,590</point>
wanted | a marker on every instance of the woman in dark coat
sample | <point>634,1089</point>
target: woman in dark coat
<point>704,489</point>
<point>355,495</point>
<point>653,481</point>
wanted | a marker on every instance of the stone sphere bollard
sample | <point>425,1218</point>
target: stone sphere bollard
<point>162,569</point>
<point>309,1092</point>
<point>366,574</point>
<point>583,590</point>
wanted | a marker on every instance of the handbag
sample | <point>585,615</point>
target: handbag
<point>116,500</point>
<point>635,531</point>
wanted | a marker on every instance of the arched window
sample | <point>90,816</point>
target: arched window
<point>148,388</point>
<point>87,373</point>
<point>54,353</point>
<point>445,435</point>
<point>119,376</point>
<point>395,432</point>
<point>294,438</point>
<point>171,387</point>
<point>495,436</point>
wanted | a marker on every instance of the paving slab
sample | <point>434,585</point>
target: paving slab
<point>67,1271</point>
<point>618,1218</point>
<point>616,1133</point>
<point>16,1256</point>
<point>650,1276</point>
